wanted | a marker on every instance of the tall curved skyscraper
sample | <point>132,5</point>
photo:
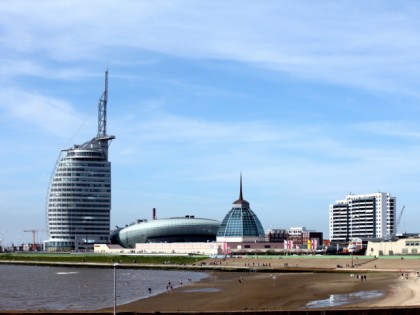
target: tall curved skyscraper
<point>79,196</point>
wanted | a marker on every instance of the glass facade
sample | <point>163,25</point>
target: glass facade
<point>241,222</point>
<point>171,230</point>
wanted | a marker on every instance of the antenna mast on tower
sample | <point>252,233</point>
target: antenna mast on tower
<point>240,189</point>
<point>102,109</point>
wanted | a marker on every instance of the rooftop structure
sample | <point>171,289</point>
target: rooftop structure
<point>241,224</point>
<point>79,196</point>
<point>169,230</point>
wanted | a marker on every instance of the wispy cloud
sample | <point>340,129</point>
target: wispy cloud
<point>404,129</point>
<point>375,49</point>
<point>184,130</point>
<point>48,114</point>
<point>15,68</point>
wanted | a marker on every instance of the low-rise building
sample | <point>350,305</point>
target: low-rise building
<point>296,238</point>
<point>276,235</point>
<point>405,246</point>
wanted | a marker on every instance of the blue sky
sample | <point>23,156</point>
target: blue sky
<point>310,100</point>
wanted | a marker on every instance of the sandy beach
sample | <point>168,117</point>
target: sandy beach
<point>267,288</point>
<point>282,283</point>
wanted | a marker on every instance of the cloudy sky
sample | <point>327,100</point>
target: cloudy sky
<point>310,100</point>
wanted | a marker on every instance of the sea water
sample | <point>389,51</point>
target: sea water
<point>66,288</point>
<point>345,299</point>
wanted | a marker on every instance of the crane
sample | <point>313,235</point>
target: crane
<point>33,231</point>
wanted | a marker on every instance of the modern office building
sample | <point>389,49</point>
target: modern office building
<point>79,197</point>
<point>362,216</point>
<point>241,224</point>
<point>187,229</point>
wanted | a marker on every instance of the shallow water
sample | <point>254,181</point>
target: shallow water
<point>345,299</point>
<point>60,288</point>
<point>202,290</point>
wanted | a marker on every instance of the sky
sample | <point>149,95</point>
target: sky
<point>309,100</point>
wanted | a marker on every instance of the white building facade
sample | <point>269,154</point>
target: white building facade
<point>362,216</point>
<point>79,196</point>
<point>404,246</point>
<point>197,248</point>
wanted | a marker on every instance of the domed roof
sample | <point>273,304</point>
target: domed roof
<point>169,230</point>
<point>241,223</point>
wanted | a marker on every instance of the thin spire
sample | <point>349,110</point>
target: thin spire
<point>241,200</point>
<point>240,189</point>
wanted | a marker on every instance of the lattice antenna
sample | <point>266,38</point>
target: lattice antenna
<point>102,109</point>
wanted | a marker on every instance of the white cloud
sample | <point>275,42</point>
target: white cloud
<point>48,114</point>
<point>297,164</point>
<point>370,46</point>
<point>15,68</point>
<point>397,128</point>
<point>293,150</point>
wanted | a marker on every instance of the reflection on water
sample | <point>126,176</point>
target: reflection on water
<point>59,288</point>
<point>344,299</point>
<point>202,290</point>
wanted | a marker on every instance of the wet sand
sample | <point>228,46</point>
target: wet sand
<point>283,284</point>
<point>266,290</point>
<point>259,291</point>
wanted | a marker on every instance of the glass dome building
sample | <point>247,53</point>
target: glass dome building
<point>241,224</point>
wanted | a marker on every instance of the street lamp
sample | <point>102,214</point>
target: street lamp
<point>115,288</point>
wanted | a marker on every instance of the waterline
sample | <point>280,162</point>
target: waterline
<point>345,299</point>
<point>66,288</point>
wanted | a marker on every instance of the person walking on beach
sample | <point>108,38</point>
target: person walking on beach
<point>169,287</point>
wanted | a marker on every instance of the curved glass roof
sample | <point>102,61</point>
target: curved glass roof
<point>187,229</point>
<point>241,222</point>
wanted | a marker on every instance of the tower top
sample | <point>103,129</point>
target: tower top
<point>241,200</point>
<point>240,188</point>
<point>102,104</point>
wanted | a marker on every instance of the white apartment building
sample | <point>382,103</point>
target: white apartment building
<point>362,216</point>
